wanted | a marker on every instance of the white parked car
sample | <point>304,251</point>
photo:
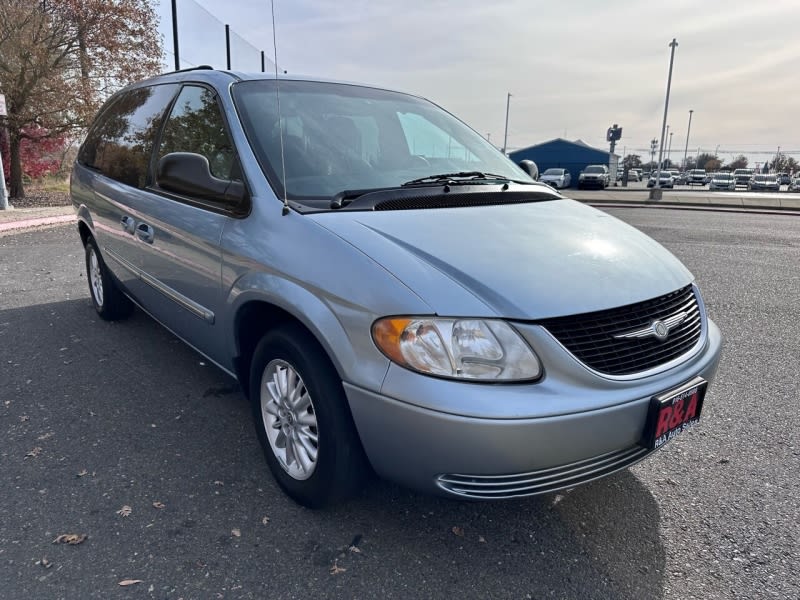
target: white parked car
<point>722,181</point>
<point>558,178</point>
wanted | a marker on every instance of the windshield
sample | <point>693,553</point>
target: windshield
<point>594,170</point>
<point>340,137</point>
<point>724,176</point>
<point>553,172</point>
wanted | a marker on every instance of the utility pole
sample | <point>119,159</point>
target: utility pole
<point>653,146</point>
<point>669,149</point>
<point>688,131</point>
<point>655,192</point>
<point>505,137</point>
<point>175,36</point>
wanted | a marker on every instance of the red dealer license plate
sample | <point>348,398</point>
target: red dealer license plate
<point>673,412</point>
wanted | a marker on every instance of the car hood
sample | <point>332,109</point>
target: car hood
<point>521,261</point>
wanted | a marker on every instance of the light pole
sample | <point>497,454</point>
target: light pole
<point>505,137</point>
<point>688,131</point>
<point>653,146</point>
<point>669,149</point>
<point>655,192</point>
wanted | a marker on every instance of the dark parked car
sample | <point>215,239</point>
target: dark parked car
<point>743,176</point>
<point>696,177</point>
<point>390,291</point>
<point>784,179</point>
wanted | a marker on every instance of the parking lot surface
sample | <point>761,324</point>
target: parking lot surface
<point>120,433</point>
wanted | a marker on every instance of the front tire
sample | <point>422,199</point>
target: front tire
<point>303,420</point>
<point>108,300</point>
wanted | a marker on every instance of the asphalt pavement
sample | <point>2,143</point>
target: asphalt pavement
<point>120,433</point>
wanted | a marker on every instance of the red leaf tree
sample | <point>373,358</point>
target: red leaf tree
<point>59,59</point>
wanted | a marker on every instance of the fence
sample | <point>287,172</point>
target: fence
<point>203,39</point>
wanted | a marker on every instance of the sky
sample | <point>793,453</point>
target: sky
<point>573,68</point>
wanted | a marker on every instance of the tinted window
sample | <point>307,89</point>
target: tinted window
<point>196,125</point>
<point>121,142</point>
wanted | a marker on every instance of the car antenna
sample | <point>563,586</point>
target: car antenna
<point>285,210</point>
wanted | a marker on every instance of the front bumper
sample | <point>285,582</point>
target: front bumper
<point>462,439</point>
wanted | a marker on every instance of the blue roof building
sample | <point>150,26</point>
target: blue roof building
<point>573,156</point>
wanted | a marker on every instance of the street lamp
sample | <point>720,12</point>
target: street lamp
<point>655,192</point>
<point>688,131</point>
<point>669,149</point>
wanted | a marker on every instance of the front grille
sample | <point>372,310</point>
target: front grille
<point>543,480</point>
<point>590,336</point>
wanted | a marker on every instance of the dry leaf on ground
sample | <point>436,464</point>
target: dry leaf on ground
<point>159,505</point>
<point>125,582</point>
<point>83,472</point>
<point>481,539</point>
<point>265,520</point>
<point>125,511</point>
<point>71,538</point>
<point>459,531</point>
<point>336,569</point>
<point>34,453</point>
<point>44,562</point>
<point>236,533</point>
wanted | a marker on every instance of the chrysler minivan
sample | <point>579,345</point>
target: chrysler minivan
<point>393,294</point>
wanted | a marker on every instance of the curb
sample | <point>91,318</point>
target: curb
<point>38,222</point>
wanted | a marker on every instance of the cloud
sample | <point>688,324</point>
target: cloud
<point>577,66</point>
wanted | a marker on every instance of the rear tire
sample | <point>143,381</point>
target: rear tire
<point>303,420</point>
<point>108,300</point>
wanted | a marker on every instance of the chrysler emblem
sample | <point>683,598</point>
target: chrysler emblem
<point>658,329</point>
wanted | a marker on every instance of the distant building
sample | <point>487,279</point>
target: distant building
<point>560,153</point>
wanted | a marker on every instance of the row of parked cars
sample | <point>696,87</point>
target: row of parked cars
<point>726,180</point>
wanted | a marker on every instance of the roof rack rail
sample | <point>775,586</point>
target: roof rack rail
<point>197,68</point>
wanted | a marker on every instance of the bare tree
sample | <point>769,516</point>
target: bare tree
<point>60,59</point>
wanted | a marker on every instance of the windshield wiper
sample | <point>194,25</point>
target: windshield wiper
<point>345,197</point>
<point>461,175</point>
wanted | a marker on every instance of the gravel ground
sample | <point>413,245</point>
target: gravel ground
<point>41,199</point>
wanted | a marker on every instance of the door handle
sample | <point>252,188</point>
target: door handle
<point>128,224</point>
<point>145,233</point>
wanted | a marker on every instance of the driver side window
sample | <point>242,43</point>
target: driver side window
<point>196,125</point>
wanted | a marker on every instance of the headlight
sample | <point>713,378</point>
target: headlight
<point>581,176</point>
<point>476,349</point>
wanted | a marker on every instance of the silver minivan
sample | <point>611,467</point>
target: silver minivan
<point>391,292</point>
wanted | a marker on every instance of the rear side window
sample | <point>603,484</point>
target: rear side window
<point>196,125</point>
<point>120,143</point>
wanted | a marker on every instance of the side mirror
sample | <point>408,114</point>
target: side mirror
<point>530,168</point>
<point>189,174</point>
